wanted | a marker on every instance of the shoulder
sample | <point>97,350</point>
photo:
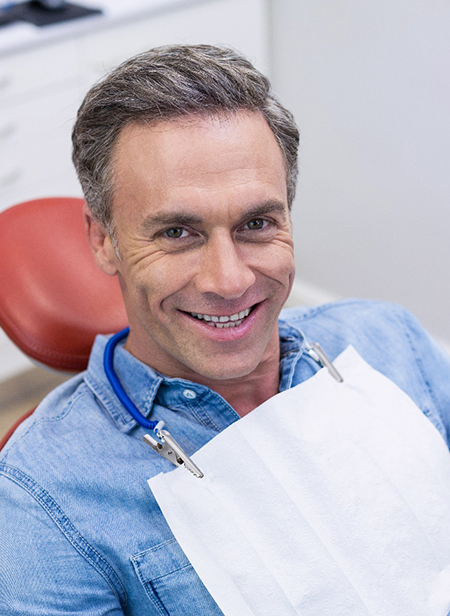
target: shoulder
<point>56,445</point>
<point>366,324</point>
<point>42,496</point>
<point>378,330</point>
<point>36,457</point>
<point>359,311</point>
<point>56,408</point>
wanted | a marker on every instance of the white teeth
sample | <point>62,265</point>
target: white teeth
<point>223,321</point>
<point>224,325</point>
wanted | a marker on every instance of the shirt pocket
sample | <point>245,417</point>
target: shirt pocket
<point>171,583</point>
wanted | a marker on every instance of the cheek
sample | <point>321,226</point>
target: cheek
<point>154,282</point>
<point>274,259</point>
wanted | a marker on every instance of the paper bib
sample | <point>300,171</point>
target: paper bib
<point>330,499</point>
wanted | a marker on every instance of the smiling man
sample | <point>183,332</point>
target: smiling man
<point>203,250</point>
<point>188,163</point>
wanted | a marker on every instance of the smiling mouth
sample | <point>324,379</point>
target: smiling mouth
<point>223,321</point>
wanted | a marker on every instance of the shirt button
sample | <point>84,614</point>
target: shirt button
<point>189,394</point>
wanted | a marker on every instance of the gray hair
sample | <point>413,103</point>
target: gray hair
<point>166,83</point>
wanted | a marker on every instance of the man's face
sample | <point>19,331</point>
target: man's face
<point>204,236</point>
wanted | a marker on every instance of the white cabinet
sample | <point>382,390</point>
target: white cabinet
<point>34,140</point>
<point>39,91</point>
<point>30,72</point>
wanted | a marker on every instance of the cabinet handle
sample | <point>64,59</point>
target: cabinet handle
<point>10,177</point>
<point>7,130</point>
<point>5,81</point>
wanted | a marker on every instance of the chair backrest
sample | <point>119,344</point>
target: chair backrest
<point>53,298</point>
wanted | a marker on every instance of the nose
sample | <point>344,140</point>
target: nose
<point>223,270</point>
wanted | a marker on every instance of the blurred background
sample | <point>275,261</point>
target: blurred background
<point>369,85</point>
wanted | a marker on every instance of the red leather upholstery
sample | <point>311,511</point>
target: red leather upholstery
<point>53,298</point>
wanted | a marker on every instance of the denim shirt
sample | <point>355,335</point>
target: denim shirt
<point>80,531</point>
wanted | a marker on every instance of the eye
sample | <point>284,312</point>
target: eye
<point>175,233</point>
<point>258,229</point>
<point>176,239</point>
<point>256,224</point>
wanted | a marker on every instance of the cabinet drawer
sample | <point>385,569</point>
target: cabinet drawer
<point>62,184</point>
<point>37,68</point>
<point>24,125</point>
<point>35,138</point>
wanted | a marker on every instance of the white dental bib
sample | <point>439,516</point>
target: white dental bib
<point>330,499</point>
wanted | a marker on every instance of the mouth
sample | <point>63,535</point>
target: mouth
<point>223,321</point>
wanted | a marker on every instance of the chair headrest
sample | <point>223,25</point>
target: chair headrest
<point>53,298</point>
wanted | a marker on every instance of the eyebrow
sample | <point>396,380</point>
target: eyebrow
<point>179,219</point>
<point>268,207</point>
<point>170,219</point>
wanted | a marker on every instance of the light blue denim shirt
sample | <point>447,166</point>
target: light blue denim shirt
<point>80,531</point>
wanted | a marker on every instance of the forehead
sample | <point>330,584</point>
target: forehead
<point>197,161</point>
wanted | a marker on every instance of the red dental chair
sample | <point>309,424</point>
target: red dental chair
<point>53,298</point>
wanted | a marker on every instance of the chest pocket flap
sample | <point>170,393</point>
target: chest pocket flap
<point>171,583</point>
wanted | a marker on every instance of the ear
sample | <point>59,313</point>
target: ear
<point>101,245</point>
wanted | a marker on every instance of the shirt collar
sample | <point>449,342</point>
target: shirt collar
<point>142,382</point>
<point>292,346</point>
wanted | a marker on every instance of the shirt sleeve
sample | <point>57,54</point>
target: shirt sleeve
<point>41,572</point>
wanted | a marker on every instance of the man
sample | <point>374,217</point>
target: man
<point>188,165</point>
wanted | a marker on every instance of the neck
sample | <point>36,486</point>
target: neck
<point>243,393</point>
<point>246,394</point>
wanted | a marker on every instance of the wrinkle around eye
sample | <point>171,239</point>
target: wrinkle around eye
<point>279,239</point>
<point>142,253</point>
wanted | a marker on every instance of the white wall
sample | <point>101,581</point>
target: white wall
<point>369,83</point>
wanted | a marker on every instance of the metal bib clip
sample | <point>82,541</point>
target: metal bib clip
<point>316,352</point>
<point>167,447</point>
